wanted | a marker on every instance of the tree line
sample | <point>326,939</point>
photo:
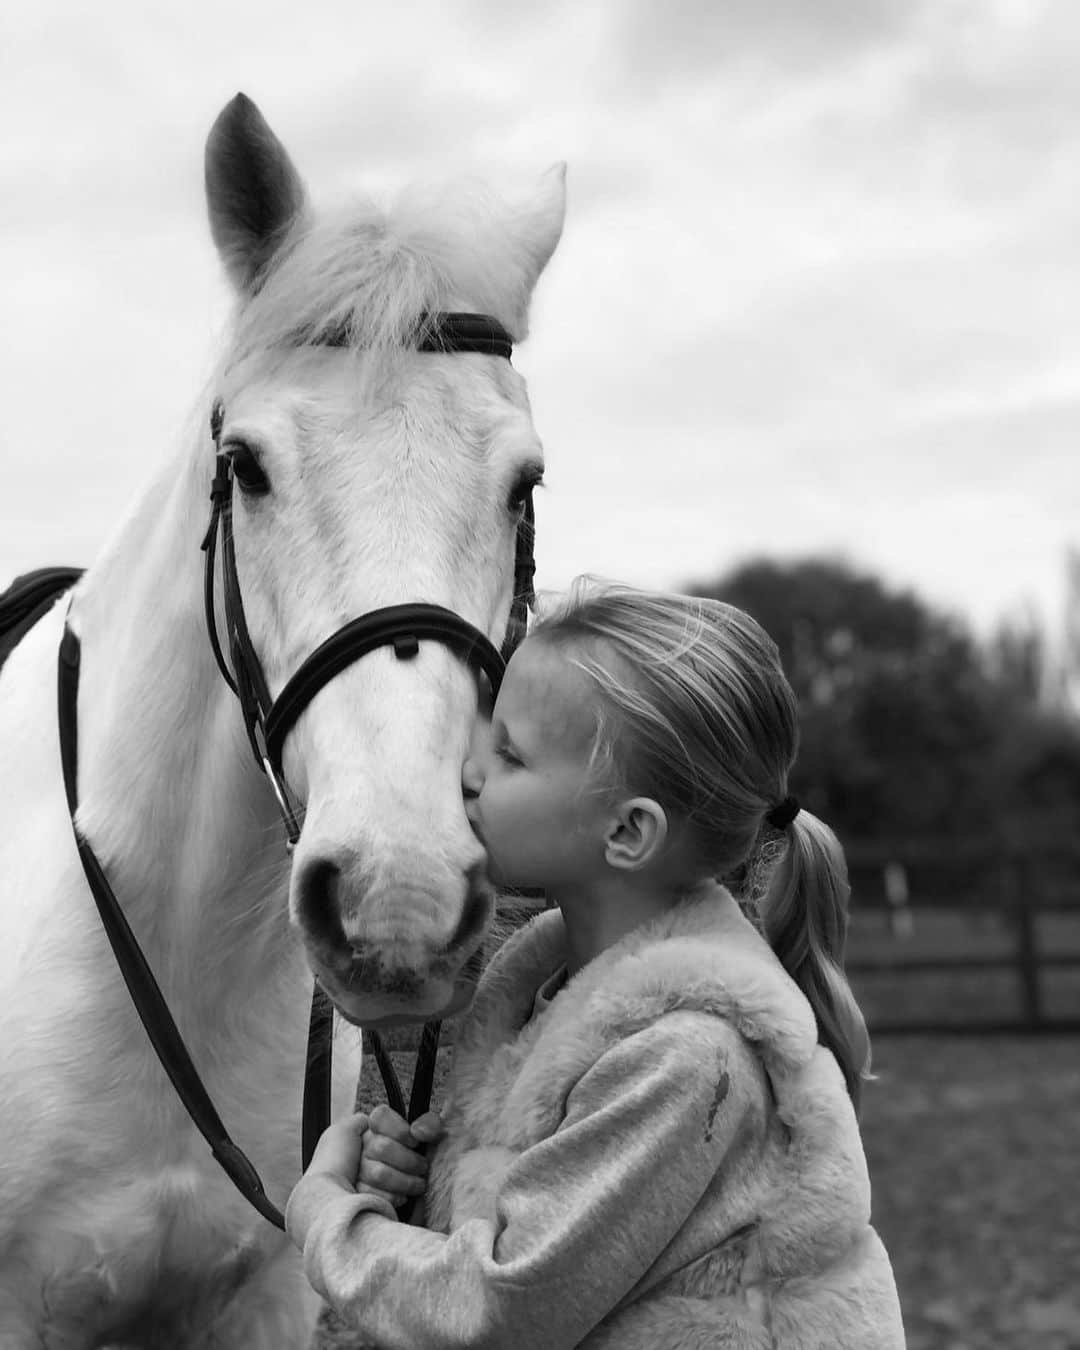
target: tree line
<point>911,728</point>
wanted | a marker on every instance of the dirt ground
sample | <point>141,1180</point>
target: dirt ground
<point>972,1146</point>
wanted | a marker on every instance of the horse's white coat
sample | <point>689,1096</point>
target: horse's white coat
<point>390,473</point>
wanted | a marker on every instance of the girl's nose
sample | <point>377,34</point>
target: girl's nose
<point>472,771</point>
<point>472,777</point>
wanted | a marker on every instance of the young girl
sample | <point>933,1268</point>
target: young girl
<point>651,1138</point>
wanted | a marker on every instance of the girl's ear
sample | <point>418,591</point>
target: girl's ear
<point>636,835</point>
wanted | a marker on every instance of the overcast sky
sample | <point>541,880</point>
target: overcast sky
<point>818,290</point>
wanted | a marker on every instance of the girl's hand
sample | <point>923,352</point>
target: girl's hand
<point>340,1149</point>
<point>391,1163</point>
<point>333,1169</point>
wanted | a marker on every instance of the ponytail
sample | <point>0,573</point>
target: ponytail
<point>804,916</point>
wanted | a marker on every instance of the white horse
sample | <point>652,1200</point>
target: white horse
<point>368,474</point>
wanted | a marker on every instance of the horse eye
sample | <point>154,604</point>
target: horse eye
<point>249,472</point>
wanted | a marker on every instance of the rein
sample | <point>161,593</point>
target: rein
<point>268,722</point>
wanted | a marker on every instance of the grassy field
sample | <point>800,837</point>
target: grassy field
<point>972,1150</point>
<point>971,1139</point>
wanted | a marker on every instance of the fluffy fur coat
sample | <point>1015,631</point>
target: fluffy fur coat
<point>662,1158</point>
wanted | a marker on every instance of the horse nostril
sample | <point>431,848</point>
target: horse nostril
<point>318,889</point>
<point>473,918</point>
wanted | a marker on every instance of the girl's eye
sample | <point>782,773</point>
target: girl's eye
<point>249,472</point>
<point>507,755</point>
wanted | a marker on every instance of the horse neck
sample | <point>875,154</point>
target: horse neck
<point>170,797</point>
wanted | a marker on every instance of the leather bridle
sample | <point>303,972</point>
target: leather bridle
<point>268,722</point>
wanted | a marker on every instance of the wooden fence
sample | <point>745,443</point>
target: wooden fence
<point>986,940</point>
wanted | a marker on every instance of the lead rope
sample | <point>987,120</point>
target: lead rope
<point>161,1029</point>
<point>427,1056</point>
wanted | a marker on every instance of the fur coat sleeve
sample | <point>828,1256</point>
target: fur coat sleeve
<point>562,1230</point>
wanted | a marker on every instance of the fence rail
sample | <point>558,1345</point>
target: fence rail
<point>1020,891</point>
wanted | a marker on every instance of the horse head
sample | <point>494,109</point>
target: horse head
<point>369,473</point>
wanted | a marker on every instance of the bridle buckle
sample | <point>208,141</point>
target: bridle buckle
<point>406,646</point>
<point>292,829</point>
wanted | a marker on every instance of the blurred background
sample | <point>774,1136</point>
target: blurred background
<point>810,343</point>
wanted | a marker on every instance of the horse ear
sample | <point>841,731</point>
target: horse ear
<point>253,191</point>
<point>541,221</point>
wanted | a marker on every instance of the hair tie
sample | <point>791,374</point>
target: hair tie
<point>783,813</point>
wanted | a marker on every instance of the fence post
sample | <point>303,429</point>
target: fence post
<point>1022,902</point>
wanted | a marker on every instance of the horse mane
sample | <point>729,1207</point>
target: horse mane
<point>361,276</point>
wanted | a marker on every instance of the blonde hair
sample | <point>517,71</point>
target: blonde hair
<point>696,712</point>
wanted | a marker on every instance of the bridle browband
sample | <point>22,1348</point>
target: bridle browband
<point>268,722</point>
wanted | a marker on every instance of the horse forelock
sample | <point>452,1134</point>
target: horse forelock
<point>362,276</point>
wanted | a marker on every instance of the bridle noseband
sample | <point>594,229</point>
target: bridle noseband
<point>268,722</point>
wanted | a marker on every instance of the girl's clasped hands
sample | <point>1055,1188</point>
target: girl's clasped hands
<point>380,1154</point>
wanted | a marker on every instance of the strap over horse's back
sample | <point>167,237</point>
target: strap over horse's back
<point>27,599</point>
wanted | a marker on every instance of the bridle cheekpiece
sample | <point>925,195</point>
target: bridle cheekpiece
<point>268,721</point>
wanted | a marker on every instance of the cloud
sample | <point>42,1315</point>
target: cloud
<point>814,291</point>
<point>657,45</point>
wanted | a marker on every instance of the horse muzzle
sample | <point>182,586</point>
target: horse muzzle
<point>392,952</point>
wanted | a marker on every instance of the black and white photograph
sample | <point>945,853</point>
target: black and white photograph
<point>540,675</point>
